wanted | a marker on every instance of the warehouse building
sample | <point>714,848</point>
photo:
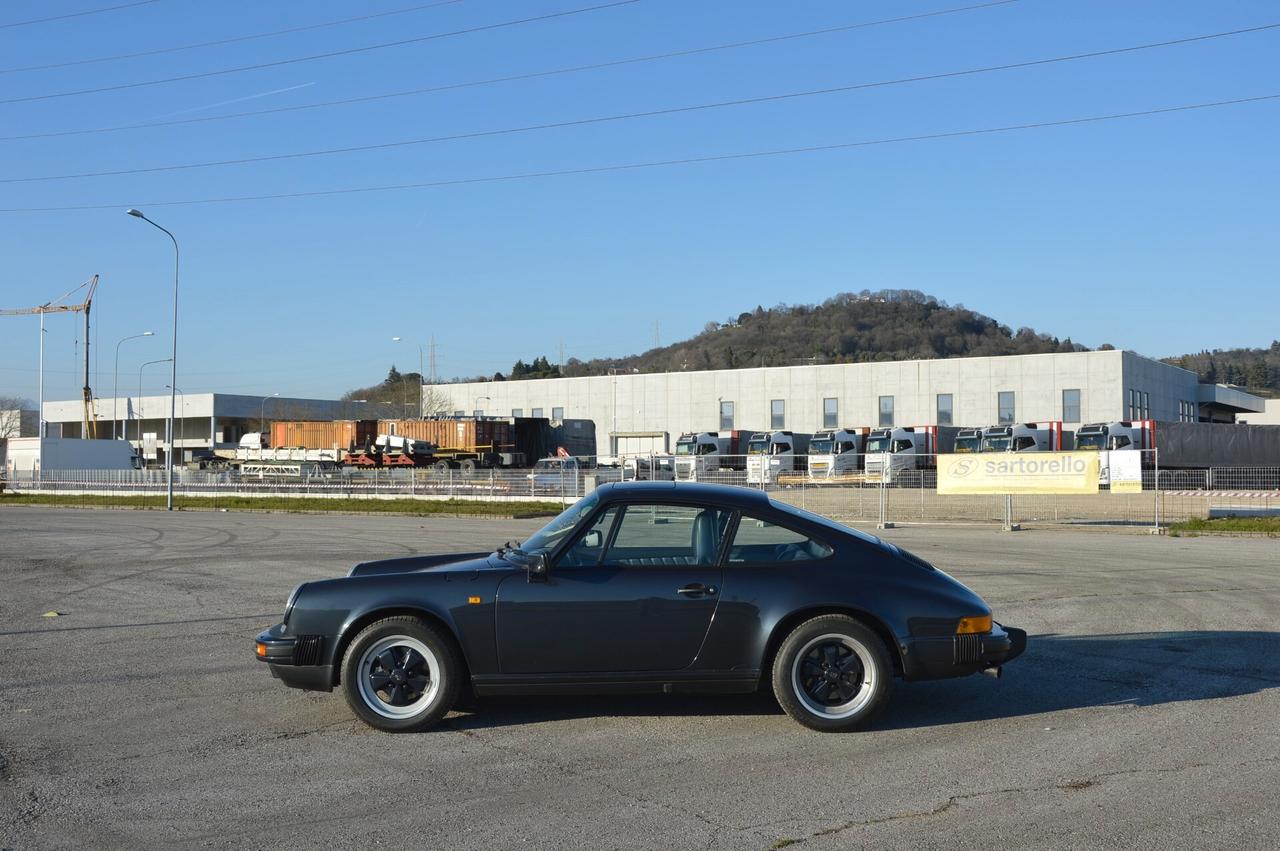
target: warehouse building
<point>201,421</point>
<point>1074,387</point>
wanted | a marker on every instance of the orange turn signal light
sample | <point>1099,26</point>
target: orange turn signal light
<point>473,600</point>
<point>262,649</point>
<point>968,626</point>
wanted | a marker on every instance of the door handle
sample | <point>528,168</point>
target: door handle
<point>697,589</point>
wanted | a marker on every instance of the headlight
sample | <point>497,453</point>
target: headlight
<point>293,598</point>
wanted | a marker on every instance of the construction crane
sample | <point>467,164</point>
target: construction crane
<point>58,305</point>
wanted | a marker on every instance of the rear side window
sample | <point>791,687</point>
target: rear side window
<point>759,541</point>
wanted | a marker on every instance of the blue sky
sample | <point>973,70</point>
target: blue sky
<point>1156,234</point>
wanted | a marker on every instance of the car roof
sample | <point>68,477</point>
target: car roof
<point>738,497</point>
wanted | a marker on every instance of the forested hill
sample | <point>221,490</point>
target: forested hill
<point>851,327</point>
<point>1257,370</point>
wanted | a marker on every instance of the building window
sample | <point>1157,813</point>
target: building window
<point>517,412</point>
<point>477,413</point>
<point>537,412</point>
<point>1006,411</point>
<point>777,414</point>
<point>1133,404</point>
<point>1071,406</point>
<point>886,411</point>
<point>1146,406</point>
<point>944,409</point>
<point>557,413</point>
<point>726,416</point>
<point>830,413</point>
<point>459,413</point>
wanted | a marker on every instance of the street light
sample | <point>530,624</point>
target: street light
<point>116,395</point>
<point>476,407</point>
<point>613,436</point>
<point>173,358</point>
<point>421,413</point>
<point>144,366</point>
<point>262,410</point>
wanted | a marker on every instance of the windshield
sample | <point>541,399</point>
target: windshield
<point>757,447</point>
<point>1090,441</point>
<point>967,444</point>
<point>879,444</point>
<point>554,532</point>
<point>996,444</point>
<point>821,447</point>
<point>685,447</point>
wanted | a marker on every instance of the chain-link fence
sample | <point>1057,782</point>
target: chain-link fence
<point>865,490</point>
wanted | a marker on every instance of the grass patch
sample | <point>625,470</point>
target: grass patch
<point>1269,526</point>
<point>410,507</point>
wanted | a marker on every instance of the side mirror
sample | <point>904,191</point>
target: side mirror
<point>593,539</point>
<point>538,567</point>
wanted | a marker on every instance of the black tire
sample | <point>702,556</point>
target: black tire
<point>468,467</point>
<point>863,674</point>
<point>423,691</point>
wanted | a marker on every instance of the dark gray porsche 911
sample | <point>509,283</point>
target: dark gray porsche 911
<point>642,587</point>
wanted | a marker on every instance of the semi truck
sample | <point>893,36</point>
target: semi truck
<point>836,452</point>
<point>772,453</point>
<point>893,451</point>
<point>702,452</point>
<point>968,440</point>
<point>1023,437</point>
<point>1189,446</point>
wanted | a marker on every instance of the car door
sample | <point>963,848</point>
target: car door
<point>634,592</point>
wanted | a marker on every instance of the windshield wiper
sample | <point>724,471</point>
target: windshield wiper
<point>507,547</point>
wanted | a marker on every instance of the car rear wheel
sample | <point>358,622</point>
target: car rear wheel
<point>401,674</point>
<point>832,674</point>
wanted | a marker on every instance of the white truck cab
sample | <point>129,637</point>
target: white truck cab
<point>698,453</point>
<point>1105,438</point>
<point>890,451</point>
<point>836,451</point>
<point>770,453</point>
<point>969,440</point>
<point>1023,437</point>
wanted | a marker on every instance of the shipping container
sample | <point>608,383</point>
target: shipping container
<point>323,434</point>
<point>466,434</point>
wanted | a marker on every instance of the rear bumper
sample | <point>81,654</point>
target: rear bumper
<point>960,655</point>
<point>283,652</point>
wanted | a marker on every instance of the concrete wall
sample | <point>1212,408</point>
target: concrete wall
<point>689,401</point>
<point>1269,416</point>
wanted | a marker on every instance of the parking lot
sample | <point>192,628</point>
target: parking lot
<point>1145,712</point>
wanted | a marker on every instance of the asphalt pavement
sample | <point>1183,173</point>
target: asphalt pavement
<point>1145,712</point>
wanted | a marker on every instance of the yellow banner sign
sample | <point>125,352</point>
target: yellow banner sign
<point>1018,472</point>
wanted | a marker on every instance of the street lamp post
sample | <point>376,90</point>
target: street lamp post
<point>116,395</point>
<point>173,357</point>
<point>144,366</point>
<point>262,411</point>
<point>613,435</point>
<point>476,407</point>
<point>421,412</point>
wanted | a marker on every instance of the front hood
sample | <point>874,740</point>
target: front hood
<point>408,564</point>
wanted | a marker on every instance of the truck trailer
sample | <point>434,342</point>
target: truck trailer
<point>1188,446</point>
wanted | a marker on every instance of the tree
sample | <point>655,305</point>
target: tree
<point>11,408</point>
<point>393,376</point>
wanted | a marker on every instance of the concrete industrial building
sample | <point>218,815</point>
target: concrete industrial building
<point>202,421</point>
<point>1074,387</point>
<point>1269,416</point>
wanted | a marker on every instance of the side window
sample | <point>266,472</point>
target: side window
<point>586,551</point>
<point>762,542</point>
<point>675,535</point>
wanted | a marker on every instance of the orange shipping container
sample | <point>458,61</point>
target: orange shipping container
<point>466,435</point>
<point>323,434</point>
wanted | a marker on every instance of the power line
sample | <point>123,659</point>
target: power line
<point>233,40</point>
<point>329,55</point>
<point>77,14</point>
<point>515,77</point>
<point>777,152</point>
<point>631,115</point>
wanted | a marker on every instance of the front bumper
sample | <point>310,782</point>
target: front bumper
<point>936,658</point>
<point>292,658</point>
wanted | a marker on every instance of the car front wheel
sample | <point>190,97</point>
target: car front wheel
<point>832,674</point>
<point>401,675</point>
